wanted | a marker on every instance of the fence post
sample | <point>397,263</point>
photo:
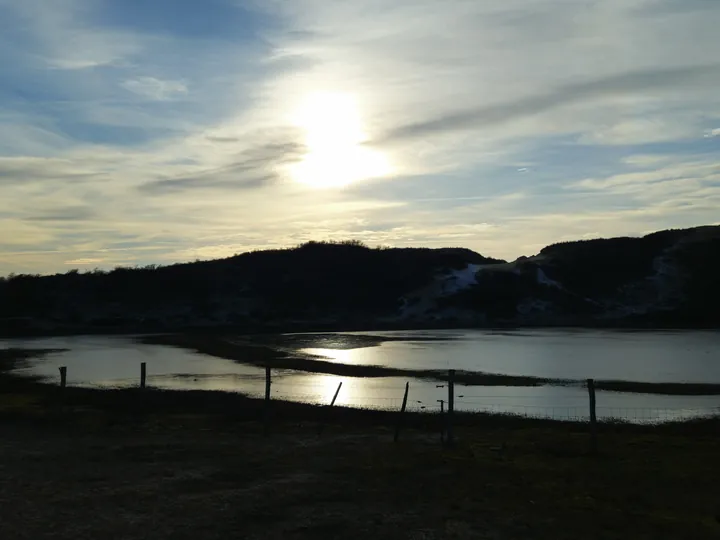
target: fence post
<point>451,406</point>
<point>268,383</point>
<point>442,420</point>
<point>322,425</point>
<point>63,384</point>
<point>143,374</point>
<point>336,394</point>
<point>593,416</point>
<point>402,412</point>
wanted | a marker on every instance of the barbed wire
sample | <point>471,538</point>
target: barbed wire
<point>291,397</point>
<point>389,397</point>
<point>346,384</point>
<point>523,396</point>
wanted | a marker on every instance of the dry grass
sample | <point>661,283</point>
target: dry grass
<point>169,464</point>
<point>129,465</point>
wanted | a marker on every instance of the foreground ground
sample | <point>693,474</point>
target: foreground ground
<point>131,464</point>
<point>103,469</point>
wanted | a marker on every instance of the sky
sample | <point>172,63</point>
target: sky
<point>160,131</point>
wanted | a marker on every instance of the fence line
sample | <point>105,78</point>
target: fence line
<point>374,396</point>
<point>586,413</point>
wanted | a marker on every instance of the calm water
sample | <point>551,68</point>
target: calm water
<point>647,356</point>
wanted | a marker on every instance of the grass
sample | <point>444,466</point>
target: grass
<point>133,464</point>
<point>172,464</point>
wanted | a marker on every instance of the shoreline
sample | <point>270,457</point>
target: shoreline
<point>265,355</point>
<point>32,399</point>
<point>250,350</point>
<point>337,327</point>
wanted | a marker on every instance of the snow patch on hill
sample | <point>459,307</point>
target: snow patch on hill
<point>457,280</point>
<point>423,300</point>
<point>544,280</point>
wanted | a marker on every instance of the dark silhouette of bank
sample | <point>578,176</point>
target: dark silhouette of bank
<point>662,279</point>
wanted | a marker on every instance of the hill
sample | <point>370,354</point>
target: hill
<point>318,282</point>
<point>667,278</point>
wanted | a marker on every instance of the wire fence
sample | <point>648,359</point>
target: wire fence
<point>582,413</point>
<point>567,408</point>
<point>424,396</point>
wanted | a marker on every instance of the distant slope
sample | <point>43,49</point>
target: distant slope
<point>668,278</point>
<point>344,283</point>
<point>664,278</point>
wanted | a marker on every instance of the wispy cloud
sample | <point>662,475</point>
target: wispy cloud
<point>14,170</point>
<point>253,168</point>
<point>154,88</point>
<point>697,170</point>
<point>213,179</point>
<point>656,81</point>
<point>60,37</point>
<point>85,261</point>
<point>68,213</point>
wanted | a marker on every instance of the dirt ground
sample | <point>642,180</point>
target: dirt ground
<point>190,476</point>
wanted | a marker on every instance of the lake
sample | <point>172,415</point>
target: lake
<point>684,356</point>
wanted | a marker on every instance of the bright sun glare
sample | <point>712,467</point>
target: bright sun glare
<point>334,138</point>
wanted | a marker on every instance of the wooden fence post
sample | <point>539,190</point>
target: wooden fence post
<point>143,374</point>
<point>593,417</point>
<point>266,410</point>
<point>451,406</point>
<point>63,384</point>
<point>322,425</point>
<point>402,412</point>
<point>442,420</point>
<point>336,394</point>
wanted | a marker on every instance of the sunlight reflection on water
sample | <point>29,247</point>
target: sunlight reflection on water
<point>363,356</point>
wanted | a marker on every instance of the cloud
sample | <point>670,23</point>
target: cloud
<point>38,169</point>
<point>655,80</point>
<point>64,40</point>
<point>84,261</point>
<point>153,88</point>
<point>24,135</point>
<point>702,170</point>
<point>219,139</point>
<point>256,167</point>
<point>647,160</point>
<point>69,214</point>
<point>214,179</point>
<point>647,130</point>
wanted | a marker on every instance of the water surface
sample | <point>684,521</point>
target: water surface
<point>114,361</point>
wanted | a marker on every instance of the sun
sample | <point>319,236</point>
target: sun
<point>334,139</point>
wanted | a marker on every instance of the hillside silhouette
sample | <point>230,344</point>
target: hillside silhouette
<point>665,278</point>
